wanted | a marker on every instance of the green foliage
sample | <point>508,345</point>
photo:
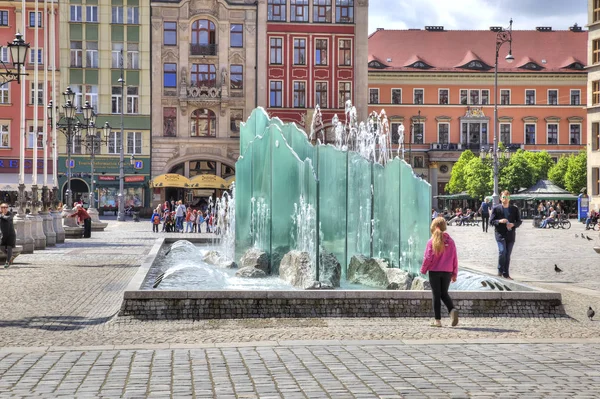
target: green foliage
<point>539,164</point>
<point>457,181</point>
<point>517,174</point>
<point>557,173</point>
<point>576,176</point>
<point>479,178</point>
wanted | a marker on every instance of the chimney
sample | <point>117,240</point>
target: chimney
<point>434,28</point>
<point>575,28</point>
<point>543,28</point>
<point>496,28</point>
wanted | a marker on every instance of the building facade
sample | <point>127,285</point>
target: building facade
<point>11,22</point>
<point>315,55</point>
<point>99,42</point>
<point>440,85</point>
<point>593,104</point>
<point>203,87</point>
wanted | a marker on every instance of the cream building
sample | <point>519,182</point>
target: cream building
<point>593,120</point>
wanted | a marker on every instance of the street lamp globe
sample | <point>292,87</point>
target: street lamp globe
<point>69,95</point>
<point>69,109</point>
<point>91,130</point>
<point>87,110</point>
<point>50,111</point>
<point>107,130</point>
<point>509,58</point>
<point>18,51</point>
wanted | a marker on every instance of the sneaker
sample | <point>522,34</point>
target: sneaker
<point>454,317</point>
<point>6,265</point>
<point>508,277</point>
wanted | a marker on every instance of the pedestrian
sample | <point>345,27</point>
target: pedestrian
<point>179,216</point>
<point>506,218</point>
<point>200,221</point>
<point>484,211</point>
<point>82,215</point>
<point>193,220</point>
<point>441,261</point>
<point>155,219</point>
<point>9,235</point>
<point>188,221</point>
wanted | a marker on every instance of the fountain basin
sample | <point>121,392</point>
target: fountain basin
<point>147,304</point>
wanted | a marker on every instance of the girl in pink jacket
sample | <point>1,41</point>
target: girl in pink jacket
<point>441,261</point>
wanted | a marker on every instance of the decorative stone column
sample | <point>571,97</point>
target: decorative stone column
<point>97,224</point>
<point>72,230</point>
<point>433,180</point>
<point>23,225</point>
<point>37,228</point>
<point>47,223</point>
<point>57,217</point>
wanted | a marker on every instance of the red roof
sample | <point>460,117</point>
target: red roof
<point>446,50</point>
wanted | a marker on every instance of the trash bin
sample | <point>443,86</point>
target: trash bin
<point>537,220</point>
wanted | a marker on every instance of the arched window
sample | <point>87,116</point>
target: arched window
<point>203,123</point>
<point>203,38</point>
<point>203,75</point>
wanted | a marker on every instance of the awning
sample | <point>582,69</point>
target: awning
<point>10,181</point>
<point>208,181</point>
<point>544,190</point>
<point>170,180</point>
<point>459,196</point>
<point>230,180</point>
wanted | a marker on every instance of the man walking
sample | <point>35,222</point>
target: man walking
<point>86,218</point>
<point>484,211</point>
<point>179,215</point>
<point>506,219</point>
<point>9,236</point>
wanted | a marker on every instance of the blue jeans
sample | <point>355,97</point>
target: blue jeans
<point>189,226</point>
<point>504,250</point>
<point>179,223</point>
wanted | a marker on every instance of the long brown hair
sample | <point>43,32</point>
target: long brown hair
<point>438,226</point>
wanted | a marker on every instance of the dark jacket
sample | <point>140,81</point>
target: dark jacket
<point>6,224</point>
<point>514,216</point>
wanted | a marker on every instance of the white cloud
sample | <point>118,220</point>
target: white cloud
<point>476,14</point>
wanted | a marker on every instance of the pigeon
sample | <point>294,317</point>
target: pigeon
<point>582,237</point>
<point>484,284</point>
<point>557,269</point>
<point>576,235</point>
<point>588,238</point>
<point>590,313</point>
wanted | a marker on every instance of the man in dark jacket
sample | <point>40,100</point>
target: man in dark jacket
<point>9,236</point>
<point>484,210</point>
<point>505,218</point>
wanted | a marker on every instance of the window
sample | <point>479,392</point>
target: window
<point>4,136</point>
<point>236,118</point>
<point>553,97</point>
<point>344,93</point>
<point>134,142</point>
<point>236,35</point>
<point>117,15</point>
<point>418,96</point>
<point>596,11</point>
<point>530,97</point>
<point>596,92</point>
<point>321,52</point>
<point>132,100</point>
<point>117,52</point>
<point>575,97</point>
<point>32,20</point>
<point>3,19</point>
<point>133,15</point>
<point>299,94</point>
<point>78,99</point>
<point>40,137</point>
<point>595,136</point>
<point>276,10</point>
<point>485,97</point>
<point>114,142</point>
<point>474,97</point>
<point>276,50</point>
<point>204,38</point>
<point>4,54</point>
<point>91,13</point>
<point>76,54</point>
<point>170,122</point>
<point>373,96</point>
<point>322,10</point>
<point>76,145</point>
<point>575,134</point>
<point>418,130</point>
<point>464,97</point>
<point>443,133</point>
<point>236,77</point>
<point>74,14</point>
<point>299,51</point>
<point>170,34</point>
<point>505,97</point>
<point>40,93</point>
<point>396,96</point>
<point>116,100</point>
<point>595,177</point>
<point>552,132</point>
<point>4,93</point>
<point>321,94</point>
<point>275,93</point>
<point>32,52</point>
<point>133,56</point>
<point>505,133</point>
<point>395,133</point>
<point>344,11</point>
<point>170,75</point>
<point>529,133</point>
<point>299,10</point>
<point>443,96</point>
<point>345,52</point>
<point>418,162</point>
<point>204,123</point>
<point>91,54</point>
<point>91,96</point>
<point>203,75</point>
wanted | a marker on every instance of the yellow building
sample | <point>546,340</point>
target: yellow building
<point>593,120</point>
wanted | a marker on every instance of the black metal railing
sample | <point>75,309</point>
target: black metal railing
<point>203,49</point>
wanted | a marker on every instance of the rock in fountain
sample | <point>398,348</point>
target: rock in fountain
<point>376,273</point>
<point>257,259</point>
<point>419,283</point>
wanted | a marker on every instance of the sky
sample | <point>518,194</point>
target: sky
<point>476,14</point>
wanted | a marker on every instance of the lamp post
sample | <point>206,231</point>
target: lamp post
<point>410,140</point>
<point>18,52</point>
<point>93,139</point>
<point>71,126</point>
<point>502,36</point>
<point>121,197</point>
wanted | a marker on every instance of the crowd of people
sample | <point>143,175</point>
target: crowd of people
<point>176,217</point>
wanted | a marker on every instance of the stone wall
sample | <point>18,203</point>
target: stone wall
<point>155,305</point>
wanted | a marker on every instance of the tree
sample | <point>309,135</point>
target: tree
<point>557,173</point>
<point>576,176</point>
<point>539,163</point>
<point>478,177</point>
<point>517,173</point>
<point>457,181</point>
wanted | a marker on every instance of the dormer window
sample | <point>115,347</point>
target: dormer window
<point>477,65</point>
<point>576,65</point>
<point>420,65</point>
<point>377,65</point>
<point>532,66</point>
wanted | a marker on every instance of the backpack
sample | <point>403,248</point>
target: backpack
<point>156,219</point>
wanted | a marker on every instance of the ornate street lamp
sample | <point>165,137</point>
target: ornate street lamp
<point>93,141</point>
<point>18,52</point>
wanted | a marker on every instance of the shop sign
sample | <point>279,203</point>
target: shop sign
<point>130,179</point>
<point>106,178</point>
<point>12,165</point>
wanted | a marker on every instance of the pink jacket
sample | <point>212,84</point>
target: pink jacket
<point>446,261</point>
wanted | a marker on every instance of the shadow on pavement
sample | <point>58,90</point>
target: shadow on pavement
<point>55,323</point>
<point>487,329</point>
<point>116,266</point>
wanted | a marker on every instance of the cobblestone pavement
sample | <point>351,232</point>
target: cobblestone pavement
<point>56,302</point>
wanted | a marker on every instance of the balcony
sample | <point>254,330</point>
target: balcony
<point>203,49</point>
<point>445,147</point>
<point>203,93</point>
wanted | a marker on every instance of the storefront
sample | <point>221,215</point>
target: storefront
<point>195,192</point>
<point>9,177</point>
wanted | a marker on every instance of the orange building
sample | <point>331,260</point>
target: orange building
<point>440,85</point>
